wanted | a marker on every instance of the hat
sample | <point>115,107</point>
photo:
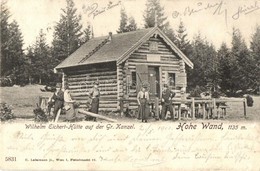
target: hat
<point>58,85</point>
<point>144,85</point>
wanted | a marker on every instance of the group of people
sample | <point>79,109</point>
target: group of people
<point>61,98</point>
<point>166,103</point>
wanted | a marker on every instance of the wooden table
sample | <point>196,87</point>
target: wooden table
<point>192,103</point>
<point>206,102</point>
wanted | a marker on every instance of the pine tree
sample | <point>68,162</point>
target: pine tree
<point>182,41</point>
<point>153,7</point>
<point>255,45</point>
<point>126,24</point>
<point>15,52</point>
<point>241,63</point>
<point>225,69</point>
<point>132,26</point>
<point>29,68</point>
<point>196,76</point>
<point>205,63</point>
<point>123,21</point>
<point>87,34</point>
<point>67,32</point>
<point>255,54</point>
<point>42,59</point>
<point>4,37</point>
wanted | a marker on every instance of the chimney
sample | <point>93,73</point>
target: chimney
<point>110,36</point>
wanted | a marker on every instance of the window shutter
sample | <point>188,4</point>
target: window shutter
<point>141,76</point>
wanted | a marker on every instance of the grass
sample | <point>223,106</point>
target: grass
<point>24,99</point>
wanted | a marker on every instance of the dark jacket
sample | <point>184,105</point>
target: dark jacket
<point>166,94</point>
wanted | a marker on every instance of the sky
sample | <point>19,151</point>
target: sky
<point>213,19</point>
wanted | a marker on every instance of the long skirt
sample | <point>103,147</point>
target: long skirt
<point>70,112</point>
<point>94,105</point>
<point>94,108</point>
<point>144,109</point>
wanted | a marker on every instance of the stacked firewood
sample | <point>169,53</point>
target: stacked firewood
<point>6,112</point>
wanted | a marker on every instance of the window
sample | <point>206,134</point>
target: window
<point>133,83</point>
<point>171,79</point>
<point>153,46</point>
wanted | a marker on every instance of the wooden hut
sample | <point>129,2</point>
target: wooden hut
<point>121,63</point>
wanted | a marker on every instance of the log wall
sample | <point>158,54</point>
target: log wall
<point>80,81</point>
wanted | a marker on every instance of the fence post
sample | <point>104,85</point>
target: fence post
<point>215,108</point>
<point>193,108</point>
<point>156,108</point>
<point>244,102</point>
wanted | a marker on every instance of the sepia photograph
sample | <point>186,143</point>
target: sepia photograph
<point>130,85</point>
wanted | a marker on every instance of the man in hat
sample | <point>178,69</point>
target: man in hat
<point>167,96</point>
<point>94,95</point>
<point>143,100</point>
<point>58,99</point>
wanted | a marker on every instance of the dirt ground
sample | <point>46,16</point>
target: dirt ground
<point>24,99</point>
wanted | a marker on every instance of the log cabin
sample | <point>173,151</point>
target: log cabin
<point>122,63</point>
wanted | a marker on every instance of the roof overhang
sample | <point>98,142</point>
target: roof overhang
<point>59,69</point>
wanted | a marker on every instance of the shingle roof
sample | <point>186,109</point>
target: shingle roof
<point>98,50</point>
<point>110,51</point>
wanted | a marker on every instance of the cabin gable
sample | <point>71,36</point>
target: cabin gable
<point>153,63</point>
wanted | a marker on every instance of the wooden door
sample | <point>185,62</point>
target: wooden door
<point>154,82</point>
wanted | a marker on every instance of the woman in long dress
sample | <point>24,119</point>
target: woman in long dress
<point>94,94</point>
<point>143,99</point>
<point>69,105</point>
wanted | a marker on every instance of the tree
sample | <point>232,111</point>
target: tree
<point>182,41</point>
<point>29,68</point>
<point>4,37</point>
<point>123,21</point>
<point>205,63</point>
<point>67,32</point>
<point>126,24</point>
<point>153,7</point>
<point>87,34</point>
<point>225,68</point>
<point>255,54</point>
<point>154,11</point>
<point>40,63</point>
<point>242,63</point>
<point>132,26</point>
<point>15,58</point>
<point>12,56</point>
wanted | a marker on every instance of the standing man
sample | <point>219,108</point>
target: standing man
<point>94,95</point>
<point>167,96</point>
<point>58,99</point>
<point>143,100</point>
